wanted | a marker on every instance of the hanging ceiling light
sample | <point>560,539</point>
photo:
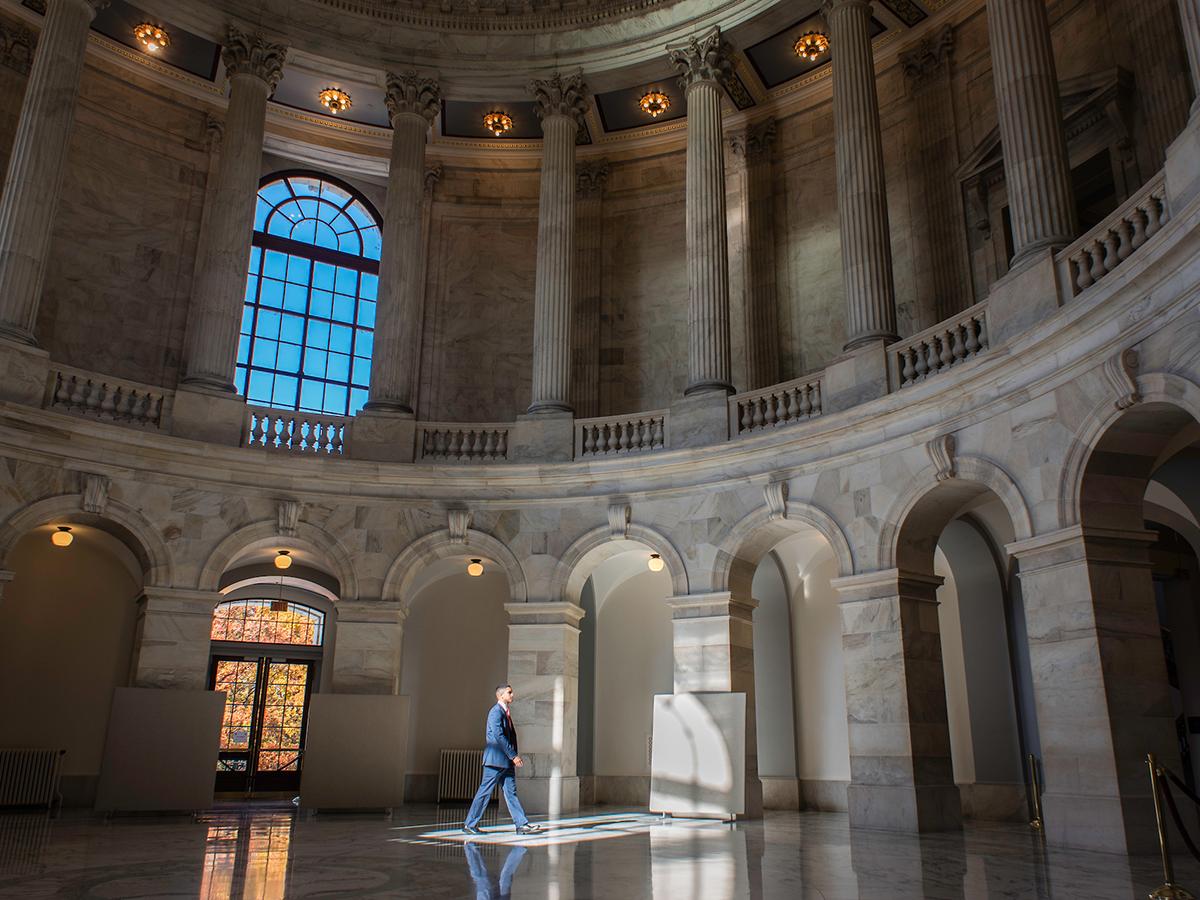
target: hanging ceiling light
<point>283,559</point>
<point>475,568</point>
<point>62,537</point>
<point>811,46</point>
<point>498,123</point>
<point>654,103</point>
<point>655,563</point>
<point>151,37</point>
<point>335,100</point>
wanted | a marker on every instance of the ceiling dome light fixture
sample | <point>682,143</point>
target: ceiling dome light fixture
<point>283,559</point>
<point>499,124</point>
<point>655,563</point>
<point>811,46</point>
<point>62,537</point>
<point>654,103</point>
<point>335,100</point>
<point>151,37</point>
<point>475,568</point>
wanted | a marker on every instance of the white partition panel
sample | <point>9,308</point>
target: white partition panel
<point>698,760</point>
<point>161,750</point>
<point>354,752</point>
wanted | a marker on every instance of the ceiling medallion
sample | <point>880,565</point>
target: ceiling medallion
<point>655,103</point>
<point>811,46</point>
<point>151,37</point>
<point>334,100</point>
<point>498,123</point>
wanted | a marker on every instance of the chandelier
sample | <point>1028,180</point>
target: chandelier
<point>655,103</point>
<point>152,37</point>
<point>334,100</point>
<point>811,46</point>
<point>498,123</point>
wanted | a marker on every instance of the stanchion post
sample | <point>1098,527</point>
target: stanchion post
<point>1036,822</point>
<point>1168,890</point>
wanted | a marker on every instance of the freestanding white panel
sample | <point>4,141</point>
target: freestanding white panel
<point>354,752</point>
<point>161,750</point>
<point>698,760</point>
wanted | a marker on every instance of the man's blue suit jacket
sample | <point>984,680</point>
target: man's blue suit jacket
<point>500,746</point>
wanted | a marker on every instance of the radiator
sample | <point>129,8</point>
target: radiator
<point>459,772</point>
<point>30,777</point>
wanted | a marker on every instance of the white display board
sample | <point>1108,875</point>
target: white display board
<point>161,751</point>
<point>354,752</point>
<point>698,759</point>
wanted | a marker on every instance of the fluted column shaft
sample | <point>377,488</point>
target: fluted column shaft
<point>412,102</point>
<point>861,192</point>
<point>702,65</point>
<point>1189,20</point>
<point>35,168</point>
<point>560,106</point>
<point>585,342</point>
<point>1037,172</point>
<point>254,68</point>
<point>753,147</point>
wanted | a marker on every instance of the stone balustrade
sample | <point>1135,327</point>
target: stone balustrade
<point>1113,241</point>
<point>450,442</point>
<point>296,432</point>
<point>938,348</point>
<point>110,399</point>
<point>779,404</point>
<point>614,435</point>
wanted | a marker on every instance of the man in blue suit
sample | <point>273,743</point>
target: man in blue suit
<point>501,759</point>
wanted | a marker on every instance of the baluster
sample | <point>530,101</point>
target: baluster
<point>255,437</point>
<point>124,403</point>
<point>816,402</point>
<point>487,448</point>
<point>502,444</point>
<point>77,391</point>
<point>1083,270</point>
<point>972,340</point>
<point>91,400</point>
<point>758,412</point>
<point>770,418</point>
<point>805,400</point>
<point>1125,238</point>
<point>922,367</point>
<point>656,437</point>
<point>338,439</point>
<point>477,442</point>
<point>947,355</point>
<point>909,372</point>
<point>109,397</point>
<point>934,361</point>
<point>1110,252</point>
<point>981,325</point>
<point>1153,220</point>
<point>60,393</point>
<point>747,418</point>
<point>793,406</point>
<point>612,438</point>
<point>134,406</point>
<point>1138,220</point>
<point>439,443</point>
<point>958,347</point>
<point>589,440</point>
<point>456,445</point>
<point>1096,253</point>
<point>153,413</point>
<point>622,437</point>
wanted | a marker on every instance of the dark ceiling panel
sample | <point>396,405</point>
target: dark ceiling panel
<point>906,11</point>
<point>774,60</point>
<point>187,51</point>
<point>619,109</point>
<point>464,119</point>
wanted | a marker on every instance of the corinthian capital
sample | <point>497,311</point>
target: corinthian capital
<point>755,142</point>
<point>560,96</point>
<point>590,178</point>
<point>707,58</point>
<point>252,54</point>
<point>927,58</point>
<point>411,93</point>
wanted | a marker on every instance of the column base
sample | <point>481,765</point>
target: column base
<point>210,416</point>
<point>904,808</point>
<point>548,795</point>
<point>1025,296</point>
<point>1183,165</point>
<point>24,370</point>
<point>383,435</point>
<point>700,419</point>
<point>543,437</point>
<point>855,377</point>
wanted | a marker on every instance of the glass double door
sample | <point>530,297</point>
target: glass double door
<point>262,732</point>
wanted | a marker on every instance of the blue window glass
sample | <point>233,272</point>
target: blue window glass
<point>307,327</point>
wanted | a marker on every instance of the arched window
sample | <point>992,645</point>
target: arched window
<point>268,622</point>
<point>309,315</point>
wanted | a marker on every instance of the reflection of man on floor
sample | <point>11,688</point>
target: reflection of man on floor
<point>484,889</point>
<point>501,759</point>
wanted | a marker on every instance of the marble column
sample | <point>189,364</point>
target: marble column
<point>703,65</point>
<point>714,651</point>
<point>561,105</point>
<point>254,66</point>
<point>543,667</point>
<point>1099,681</point>
<point>412,103</point>
<point>1189,21</point>
<point>861,192</point>
<point>35,168</point>
<point>752,149</point>
<point>590,179</point>
<point>172,639</point>
<point>366,650</point>
<point>1162,76</point>
<point>1037,171</point>
<point>901,777</point>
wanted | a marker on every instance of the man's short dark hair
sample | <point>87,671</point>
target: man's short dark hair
<point>501,687</point>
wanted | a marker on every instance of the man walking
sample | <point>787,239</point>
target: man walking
<point>501,759</point>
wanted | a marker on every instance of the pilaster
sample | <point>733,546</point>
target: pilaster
<point>590,180</point>
<point>172,638</point>
<point>366,656</point>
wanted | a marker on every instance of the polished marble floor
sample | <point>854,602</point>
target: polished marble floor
<point>243,852</point>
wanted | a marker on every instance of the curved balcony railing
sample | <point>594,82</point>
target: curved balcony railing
<point>640,432</point>
<point>779,404</point>
<point>106,398</point>
<point>456,442</point>
<point>296,432</point>
<point>941,347</point>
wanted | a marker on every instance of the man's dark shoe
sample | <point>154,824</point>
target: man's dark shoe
<point>471,829</point>
<point>529,828</point>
